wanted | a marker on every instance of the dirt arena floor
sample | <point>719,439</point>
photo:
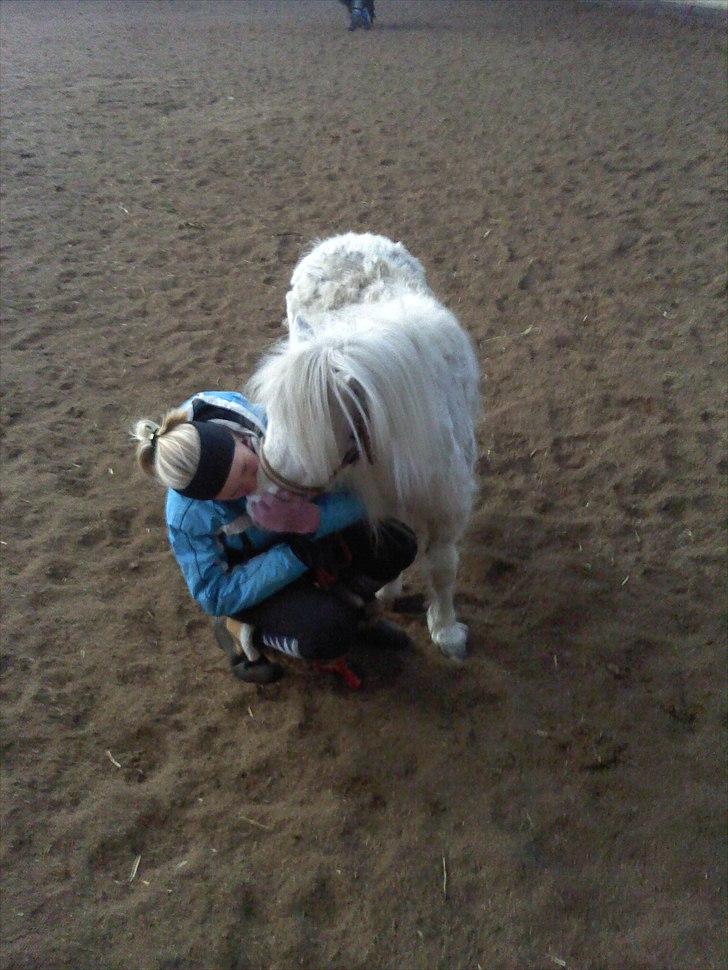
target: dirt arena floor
<point>556,801</point>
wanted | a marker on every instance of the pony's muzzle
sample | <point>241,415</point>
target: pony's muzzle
<point>277,478</point>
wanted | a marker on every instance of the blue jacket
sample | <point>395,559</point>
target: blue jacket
<point>228,563</point>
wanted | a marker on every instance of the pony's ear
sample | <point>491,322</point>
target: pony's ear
<point>301,329</point>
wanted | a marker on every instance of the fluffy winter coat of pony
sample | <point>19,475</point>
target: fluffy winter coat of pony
<point>374,361</point>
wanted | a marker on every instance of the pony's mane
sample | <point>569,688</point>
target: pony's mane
<point>374,376</point>
<point>299,385</point>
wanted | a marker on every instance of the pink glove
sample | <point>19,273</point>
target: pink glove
<point>283,512</point>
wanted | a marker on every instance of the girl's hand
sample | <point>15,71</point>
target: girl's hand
<point>283,512</point>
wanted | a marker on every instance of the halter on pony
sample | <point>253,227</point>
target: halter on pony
<point>310,491</point>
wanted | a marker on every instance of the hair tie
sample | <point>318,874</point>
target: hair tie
<point>153,438</point>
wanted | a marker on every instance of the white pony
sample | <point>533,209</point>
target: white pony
<point>376,390</point>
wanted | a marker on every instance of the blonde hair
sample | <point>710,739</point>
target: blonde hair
<point>170,451</point>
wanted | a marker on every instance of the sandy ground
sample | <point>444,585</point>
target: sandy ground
<point>559,171</point>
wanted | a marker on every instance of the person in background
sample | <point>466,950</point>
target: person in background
<point>361,13</point>
<point>280,573</point>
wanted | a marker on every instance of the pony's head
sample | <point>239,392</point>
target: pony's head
<point>318,422</point>
<point>349,405</point>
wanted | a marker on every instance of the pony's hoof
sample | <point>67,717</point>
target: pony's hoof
<point>452,640</point>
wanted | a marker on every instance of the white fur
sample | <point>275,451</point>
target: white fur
<point>372,355</point>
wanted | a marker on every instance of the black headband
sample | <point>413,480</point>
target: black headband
<point>217,448</point>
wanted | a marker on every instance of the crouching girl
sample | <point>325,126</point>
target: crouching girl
<point>280,573</point>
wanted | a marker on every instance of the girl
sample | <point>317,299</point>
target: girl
<point>273,567</point>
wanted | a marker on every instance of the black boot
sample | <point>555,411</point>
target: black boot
<point>260,671</point>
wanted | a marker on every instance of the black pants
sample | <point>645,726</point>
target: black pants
<point>309,621</point>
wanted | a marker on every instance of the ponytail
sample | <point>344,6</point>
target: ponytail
<point>169,452</point>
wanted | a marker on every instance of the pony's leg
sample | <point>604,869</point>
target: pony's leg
<point>440,564</point>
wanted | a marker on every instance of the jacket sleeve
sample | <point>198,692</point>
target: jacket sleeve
<point>222,591</point>
<point>338,510</point>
